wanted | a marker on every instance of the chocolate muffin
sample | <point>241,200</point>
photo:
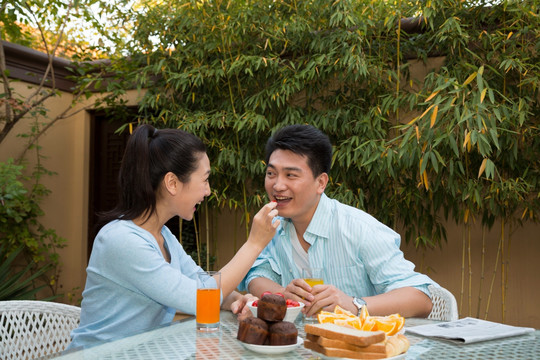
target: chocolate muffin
<point>271,307</point>
<point>252,330</point>
<point>282,333</point>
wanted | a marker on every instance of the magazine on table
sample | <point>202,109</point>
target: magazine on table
<point>468,330</point>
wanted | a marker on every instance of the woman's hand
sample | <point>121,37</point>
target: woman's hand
<point>264,227</point>
<point>262,231</point>
<point>239,306</point>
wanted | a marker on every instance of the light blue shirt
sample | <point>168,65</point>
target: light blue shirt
<point>359,255</point>
<point>129,285</point>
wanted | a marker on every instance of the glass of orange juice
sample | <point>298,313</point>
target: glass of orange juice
<point>313,276</point>
<point>208,300</point>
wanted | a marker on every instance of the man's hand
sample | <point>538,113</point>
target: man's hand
<point>239,306</point>
<point>326,297</point>
<point>299,290</point>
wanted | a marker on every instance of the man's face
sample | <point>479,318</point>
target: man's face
<point>290,181</point>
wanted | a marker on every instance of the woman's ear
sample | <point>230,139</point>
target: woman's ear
<point>322,180</point>
<point>172,184</point>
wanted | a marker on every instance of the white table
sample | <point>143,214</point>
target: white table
<point>180,340</point>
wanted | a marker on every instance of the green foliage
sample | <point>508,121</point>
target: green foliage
<point>463,147</point>
<point>19,285</point>
<point>20,230</point>
<point>53,27</point>
<point>61,27</point>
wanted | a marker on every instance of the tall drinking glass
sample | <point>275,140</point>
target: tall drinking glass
<point>208,296</point>
<point>313,276</point>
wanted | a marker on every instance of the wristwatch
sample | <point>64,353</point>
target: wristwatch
<point>359,303</point>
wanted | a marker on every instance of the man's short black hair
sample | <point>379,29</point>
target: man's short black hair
<point>304,140</point>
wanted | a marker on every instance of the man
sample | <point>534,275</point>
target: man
<point>360,257</point>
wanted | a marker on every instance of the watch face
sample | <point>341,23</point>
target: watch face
<point>359,302</point>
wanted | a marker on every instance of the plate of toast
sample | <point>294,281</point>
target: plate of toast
<point>334,341</point>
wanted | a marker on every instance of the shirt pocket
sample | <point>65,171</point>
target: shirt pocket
<point>353,280</point>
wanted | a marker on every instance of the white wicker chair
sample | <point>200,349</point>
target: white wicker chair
<point>444,304</point>
<point>31,329</point>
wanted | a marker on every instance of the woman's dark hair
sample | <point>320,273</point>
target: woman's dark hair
<point>304,140</point>
<point>150,154</point>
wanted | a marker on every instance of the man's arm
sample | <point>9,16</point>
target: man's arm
<point>407,301</point>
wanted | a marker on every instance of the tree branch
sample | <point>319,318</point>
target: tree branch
<point>7,90</point>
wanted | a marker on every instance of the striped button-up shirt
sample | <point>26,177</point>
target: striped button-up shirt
<point>359,255</point>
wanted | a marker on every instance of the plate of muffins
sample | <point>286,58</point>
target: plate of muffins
<point>273,349</point>
<point>268,333</point>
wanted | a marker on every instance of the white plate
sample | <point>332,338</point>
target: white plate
<point>322,356</point>
<point>273,349</point>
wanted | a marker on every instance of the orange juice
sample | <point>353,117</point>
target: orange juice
<point>208,306</point>
<point>312,281</point>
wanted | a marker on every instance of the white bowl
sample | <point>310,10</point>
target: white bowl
<point>291,314</point>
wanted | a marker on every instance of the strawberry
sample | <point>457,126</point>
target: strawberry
<point>280,294</point>
<point>255,303</point>
<point>266,293</point>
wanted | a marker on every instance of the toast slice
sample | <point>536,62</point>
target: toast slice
<point>338,344</point>
<point>392,346</point>
<point>342,353</point>
<point>348,335</point>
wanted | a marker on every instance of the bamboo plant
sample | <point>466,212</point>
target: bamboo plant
<point>459,145</point>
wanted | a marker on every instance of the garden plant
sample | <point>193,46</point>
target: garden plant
<point>459,145</point>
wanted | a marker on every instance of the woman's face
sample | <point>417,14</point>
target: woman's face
<point>195,190</point>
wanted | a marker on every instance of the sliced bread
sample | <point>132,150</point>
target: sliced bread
<point>348,335</point>
<point>392,346</point>
<point>342,353</point>
<point>380,347</point>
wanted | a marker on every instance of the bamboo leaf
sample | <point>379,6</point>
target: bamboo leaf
<point>483,95</point>
<point>426,182</point>
<point>432,95</point>
<point>453,145</point>
<point>434,162</point>
<point>434,116</point>
<point>413,120</point>
<point>426,111</point>
<point>494,137</point>
<point>467,140</point>
<point>482,167</point>
<point>470,78</point>
<point>490,169</point>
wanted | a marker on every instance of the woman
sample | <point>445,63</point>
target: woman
<point>139,275</point>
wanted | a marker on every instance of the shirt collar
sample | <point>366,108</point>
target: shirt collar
<point>318,225</point>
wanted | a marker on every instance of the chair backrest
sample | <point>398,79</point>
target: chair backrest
<point>32,328</point>
<point>444,304</point>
